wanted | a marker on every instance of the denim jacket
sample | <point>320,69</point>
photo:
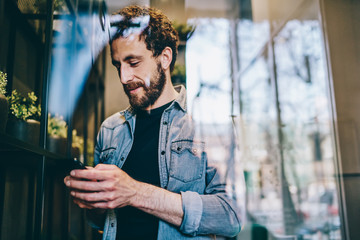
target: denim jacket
<point>183,168</point>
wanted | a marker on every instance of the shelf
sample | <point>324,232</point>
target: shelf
<point>11,144</point>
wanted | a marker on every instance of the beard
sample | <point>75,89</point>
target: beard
<point>151,92</point>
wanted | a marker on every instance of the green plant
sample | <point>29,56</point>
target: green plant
<point>57,126</point>
<point>179,70</point>
<point>77,141</point>
<point>184,30</point>
<point>24,108</point>
<point>90,152</point>
<point>3,83</point>
<point>41,5</point>
<point>179,74</point>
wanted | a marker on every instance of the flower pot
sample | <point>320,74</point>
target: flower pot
<point>27,131</point>
<point>57,145</point>
<point>4,109</point>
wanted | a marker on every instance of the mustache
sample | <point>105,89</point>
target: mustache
<point>133,85</point>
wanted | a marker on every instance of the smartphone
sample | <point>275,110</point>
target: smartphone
<point>74,163</point>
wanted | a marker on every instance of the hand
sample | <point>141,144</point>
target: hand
<point>105,186</point>
<point>108,187</point>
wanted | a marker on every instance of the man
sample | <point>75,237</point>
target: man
<point>151,179</point>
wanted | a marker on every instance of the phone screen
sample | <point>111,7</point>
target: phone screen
<point>76,164</point>
<point>73,163</point>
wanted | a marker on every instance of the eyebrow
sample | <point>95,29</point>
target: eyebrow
<point>132,57</point>
<point>128,58</point>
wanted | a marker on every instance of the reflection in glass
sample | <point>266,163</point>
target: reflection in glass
<point>76,76</point>
<point>308,159</point>
<point>279,128</point>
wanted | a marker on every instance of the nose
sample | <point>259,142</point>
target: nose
<point>126,74</point>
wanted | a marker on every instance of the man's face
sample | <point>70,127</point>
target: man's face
<point>140,73</point>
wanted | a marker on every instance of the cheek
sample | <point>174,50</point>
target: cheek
<point>147,80</point>
<point>144,74</point>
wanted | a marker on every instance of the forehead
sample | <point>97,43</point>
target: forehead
<point>131,45</point>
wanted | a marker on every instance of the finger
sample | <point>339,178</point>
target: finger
<point>84,185</point>
<point>107,205</point>
<point>91,197</point>
<point>82,204</point>
<point>103,205</point>
<point>94,173</point>
<point>66,179</point>
<point>81,173</point>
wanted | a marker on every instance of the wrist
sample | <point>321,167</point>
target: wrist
<point>134,199</point>
<point>142,193</point>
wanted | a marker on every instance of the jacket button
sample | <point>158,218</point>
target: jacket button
<point>162,152</point>
<point>165,123</point>
<point>122,158</point>
<point>112,224</point>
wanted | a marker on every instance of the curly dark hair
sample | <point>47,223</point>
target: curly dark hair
<point>158,32</point>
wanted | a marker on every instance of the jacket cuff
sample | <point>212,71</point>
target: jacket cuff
<point>193,208</point>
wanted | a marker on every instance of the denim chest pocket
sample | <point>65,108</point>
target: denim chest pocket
<point>106,155</point>
<point>186,161</point>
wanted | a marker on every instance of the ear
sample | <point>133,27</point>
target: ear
<point>166,58</point>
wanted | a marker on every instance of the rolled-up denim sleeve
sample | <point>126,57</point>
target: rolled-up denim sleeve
<point>213,212</point>
<point>219,217</point>
<point>193,208</point>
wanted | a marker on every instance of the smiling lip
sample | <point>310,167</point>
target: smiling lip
<point>135,90</point>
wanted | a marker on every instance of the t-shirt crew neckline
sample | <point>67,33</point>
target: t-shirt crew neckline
<point>153,112</point>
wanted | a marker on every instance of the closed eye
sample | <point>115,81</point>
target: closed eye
<point>134,64</point>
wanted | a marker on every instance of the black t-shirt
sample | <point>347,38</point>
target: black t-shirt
<point>142,164</point>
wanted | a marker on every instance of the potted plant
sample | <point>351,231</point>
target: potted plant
<point>57,137</point>
<point>57,134</point>
<point>24,117</point>
<point>4,105</point>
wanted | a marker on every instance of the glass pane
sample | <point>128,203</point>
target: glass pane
<point>288,151</point>
<point>281,121</point>
<point>308,153</point>
<point>76,77</point>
